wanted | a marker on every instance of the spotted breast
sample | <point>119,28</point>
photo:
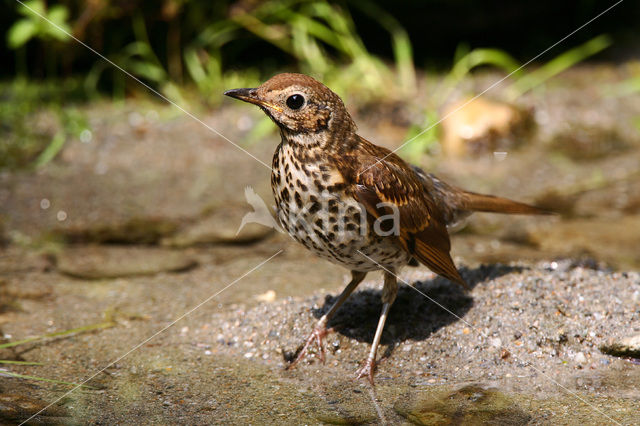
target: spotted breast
<point>313,207</point>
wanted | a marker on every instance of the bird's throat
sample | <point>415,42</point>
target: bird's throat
<point>320,139</point>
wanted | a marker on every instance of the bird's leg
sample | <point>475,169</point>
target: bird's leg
<point>320,329</point>
<point>389,292</point>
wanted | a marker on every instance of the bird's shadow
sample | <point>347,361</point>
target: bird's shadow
<point>413,316</point>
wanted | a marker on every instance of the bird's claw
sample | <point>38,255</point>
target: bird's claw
<point>317,335</point>
<point>367,369</point>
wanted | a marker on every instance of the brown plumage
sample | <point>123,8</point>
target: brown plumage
<point>333,187</point>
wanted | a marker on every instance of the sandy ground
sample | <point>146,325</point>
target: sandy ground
<point>199,329</point>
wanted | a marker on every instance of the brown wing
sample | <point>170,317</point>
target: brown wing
<point>393,183</point>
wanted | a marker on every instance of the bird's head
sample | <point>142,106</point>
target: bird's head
<point>300,105</point>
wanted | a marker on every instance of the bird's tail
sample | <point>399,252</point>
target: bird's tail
<point>459,204</point>
<point>474,202</point>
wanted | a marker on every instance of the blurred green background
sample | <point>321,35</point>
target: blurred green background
<point>268,35</point>
<point>367,51</point>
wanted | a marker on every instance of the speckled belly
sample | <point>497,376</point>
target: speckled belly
<point>316,211</point>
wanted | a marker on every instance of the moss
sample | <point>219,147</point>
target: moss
<point>471,404</point>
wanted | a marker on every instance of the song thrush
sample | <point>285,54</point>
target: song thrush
<point>355,203</point>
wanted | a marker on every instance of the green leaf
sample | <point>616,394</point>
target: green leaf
<point>147,70</point>
<point>51,150</point>
<point>60,33</point>
<point>559,64</point>
<point>32,7</point>
<point>21,32</point>
<point>138,48</point>
<point>58,15</point>
<point>194,67</point>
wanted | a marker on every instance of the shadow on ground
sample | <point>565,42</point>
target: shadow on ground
<point>413,316</point>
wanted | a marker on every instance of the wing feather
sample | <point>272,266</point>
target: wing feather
<point>385,178</point>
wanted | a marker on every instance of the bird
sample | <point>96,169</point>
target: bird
<point>355,203</point>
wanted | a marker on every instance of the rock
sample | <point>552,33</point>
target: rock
<point>19,408</point>
<point>580,358</point>
<point>588,143</point>
<point>627,346</point>
<point>220,227</point>
<point>143,230</point>
<point>471,404</point>
<point>267,297</point>
<point>96,262</point>
<point>612,241</point>
<point>482,125</point>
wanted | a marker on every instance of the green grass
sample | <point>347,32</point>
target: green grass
<point>23,143</point>
<point>520,81</point>
<point>8,361</point>
<point>57,334</point>
<point>42,379</point>
<point>108,323</point>
<point>320,38</point>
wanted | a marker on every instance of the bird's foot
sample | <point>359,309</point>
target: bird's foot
<point>317,335</point>
<point>367,369</point>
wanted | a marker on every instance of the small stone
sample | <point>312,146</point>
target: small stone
<point>97,262</point>
<point>480,125</point>
<point>267,297</point>
<point>18,408</point>
<point>628,346</point>
<point>222,226</point>
<point>580,358</point>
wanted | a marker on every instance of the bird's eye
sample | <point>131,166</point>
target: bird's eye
<point>295,101</point>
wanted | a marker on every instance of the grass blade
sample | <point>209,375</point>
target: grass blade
<point>558,64</point>
<point>52,149</point>
<point>65,333</point>
<point>42,379</point>
<point>9,361</point>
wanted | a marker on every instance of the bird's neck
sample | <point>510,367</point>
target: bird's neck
<point>325,140</point>
<point>305,140</point>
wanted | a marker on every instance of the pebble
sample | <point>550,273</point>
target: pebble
<point>626,346</point>
<point>518,340</point>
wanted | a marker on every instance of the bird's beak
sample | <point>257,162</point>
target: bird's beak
<point>251,96</point>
